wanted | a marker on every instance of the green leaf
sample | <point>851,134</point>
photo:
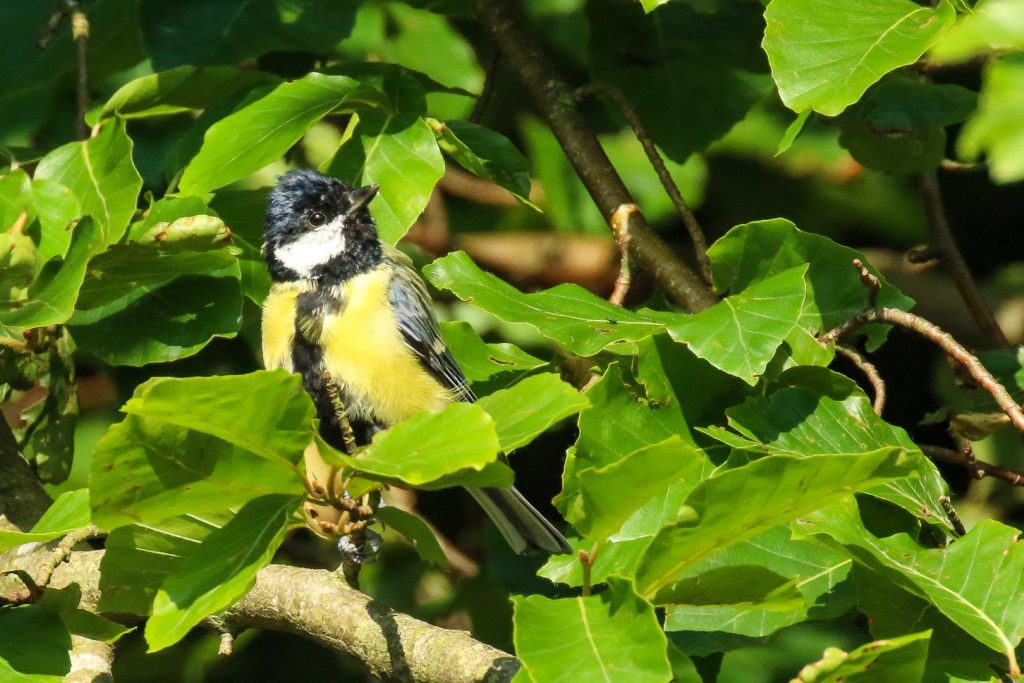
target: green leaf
<point>566,314</point>
<point>972,580</point>
<point>756,609</point>
<point>991,26</point>
<point>100,173</point>
<point>171,322</point>
<point>898,103</point>
<point>666,61</point>
<point>416,531</point>
<point>774,489</point>
<point>793,131</point>
<point>480,361</point>
<point>263,130</point>
<point>181,89</point>
<point>994,130</point>
<point>399,153</point>
<point>69,512</point>
<point>524,411</point>
<point>897,659</point>
<point>52,296</point>
<point>80,622</point>
<point>740,334</point>
<point>243,211</point>
<point>608,637</point>
<point>797,421</point>
<point>56,208</point>
<point>899,152</point>
<point>755,251</point>
<point>221,570</point>
<point>486,154</point>
<point>145,470</point>
<point>610,495</point>
<point>225,31</point>
<point>139,557</point>
<point>276,427</point>
<point>824,55</point>
<point>34,647</point>
<point>431,450</point>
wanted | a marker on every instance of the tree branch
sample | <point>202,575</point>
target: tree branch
<point>700,245</point>
<point>953,260</point>
<point>554,98</point>
<point>978,468</point>
<point>22,497</point>
<point>319,605</point>
<point>942,339</point>
<point>870,372</point>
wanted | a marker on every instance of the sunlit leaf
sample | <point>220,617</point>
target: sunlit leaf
<point>896,659</point>
<point>69,512</point>
<point>527,409</point>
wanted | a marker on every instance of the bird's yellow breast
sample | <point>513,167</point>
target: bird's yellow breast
<point>364,350</point>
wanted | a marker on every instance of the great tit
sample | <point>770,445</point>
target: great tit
<point>348,308</point>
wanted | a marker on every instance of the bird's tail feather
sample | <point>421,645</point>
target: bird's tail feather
<point>523,527</point>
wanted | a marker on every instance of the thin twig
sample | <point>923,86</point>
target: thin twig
<point>348,437</point>
<point>490,77</point>
<point>870,372</point>
<point>942,339</point>
<point>954,518</point>
<point>942,239</point>
<point>960,167</point>
<point>620,228</point>
<point>80,33</point>
<point>700,245</point>
<point>978,468</point>
<point>63,551</point>
<point>505,24</point>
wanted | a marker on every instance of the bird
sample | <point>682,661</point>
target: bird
<point>346,307</point>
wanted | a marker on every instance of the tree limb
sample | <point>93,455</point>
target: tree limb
<point>319,605</point>
<point>554,99</point>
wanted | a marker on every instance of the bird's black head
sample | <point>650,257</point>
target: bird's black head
<point>317,227</point>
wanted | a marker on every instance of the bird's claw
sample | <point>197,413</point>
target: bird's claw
<point>366,552</point>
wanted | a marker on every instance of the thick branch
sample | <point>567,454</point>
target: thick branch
<point>930,331</point>
<point>942,240</point>
<point>554,98</point>
<point>22,498</point>
<point>319,605</point>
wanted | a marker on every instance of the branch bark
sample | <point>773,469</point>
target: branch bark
<point>553,97</point>
<point>319,605</point>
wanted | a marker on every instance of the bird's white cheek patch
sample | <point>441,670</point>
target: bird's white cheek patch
<point>313,249</point>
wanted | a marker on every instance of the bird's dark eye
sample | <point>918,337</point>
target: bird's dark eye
<point>317,219</point>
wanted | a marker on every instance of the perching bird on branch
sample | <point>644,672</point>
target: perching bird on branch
<point>348,307</point>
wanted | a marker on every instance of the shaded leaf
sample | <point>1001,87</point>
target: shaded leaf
<point>224,31</point>
<point>34,646</point>
<point>485,154</point>
<point>139,557</point>
<point>607,637</point>
<point>416,531</point>
<point>974,581</point>
<point>179,90</point>
<point>145,470</point>
<point>171,322</point>
<point>220,570</point>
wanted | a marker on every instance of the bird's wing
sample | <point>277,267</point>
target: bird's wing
<point>415,318</point>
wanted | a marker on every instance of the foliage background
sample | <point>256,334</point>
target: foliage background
<point>716,84</point>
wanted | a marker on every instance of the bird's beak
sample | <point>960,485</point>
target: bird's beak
<point>362,196</point>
